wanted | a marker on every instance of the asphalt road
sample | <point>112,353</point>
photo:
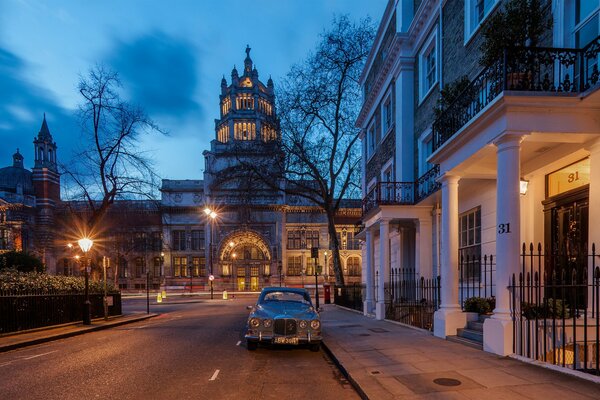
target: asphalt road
<point>190,351</point>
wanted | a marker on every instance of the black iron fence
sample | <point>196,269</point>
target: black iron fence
<point>555,309</point>
<point>477,277</point>
<point>21,311</point>
<point>541,69</point>
<point>351,296</point>
<point>410,299</point>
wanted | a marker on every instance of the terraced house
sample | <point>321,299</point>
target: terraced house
<point>481,135</point>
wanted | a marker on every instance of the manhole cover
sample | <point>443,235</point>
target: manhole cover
<point>375,372</point>
<point>447,382</point>
<point>378,330</point>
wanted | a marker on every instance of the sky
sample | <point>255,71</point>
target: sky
<point>170,56</point>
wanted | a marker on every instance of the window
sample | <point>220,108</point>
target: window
<point>156,241</point>
<point>226,105</point>
<point>197,240</point>
<point>179,266</point>
<point>476,11</point>
<point>587,25</point>
<point>353,266</point>
<point>140,267</point>
<point>223,134</point>
<point>178,240</point>
<point>294,265</point>
<point>351,242</point>
<point>139,241</point>
<point>469,244</point>
<point>244,131</point>
<point>245,101</point>
<point>310,266</point>
<point>312,239</point>
<point>157,263</point>
<point>425,150</point>
<point>198,266</point>
<point>371,140</point>
<point>294,240</point>
<point>428,66</point>
<point>387,114</point>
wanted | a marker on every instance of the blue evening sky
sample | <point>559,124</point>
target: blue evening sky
<point>170,54</point>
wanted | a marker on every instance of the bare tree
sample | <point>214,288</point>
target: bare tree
<point>318,103</point>
<point>109,164</point>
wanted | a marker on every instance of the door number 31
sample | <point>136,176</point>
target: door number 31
<point>504,228</point>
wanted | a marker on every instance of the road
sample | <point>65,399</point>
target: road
<point>190,351</point>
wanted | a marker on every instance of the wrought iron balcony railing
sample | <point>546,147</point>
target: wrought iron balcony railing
<point>402,193</point>
<point>542,69</point>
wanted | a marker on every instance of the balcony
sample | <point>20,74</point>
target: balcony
<point>402,193</point>
<point>544,70</point>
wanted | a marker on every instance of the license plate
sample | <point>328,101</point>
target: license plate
<point>285,340</point>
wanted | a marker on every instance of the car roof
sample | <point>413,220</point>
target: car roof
<point>283,289</point>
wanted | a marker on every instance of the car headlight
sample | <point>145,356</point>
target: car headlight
<point>267,323</point>
<point>303,324</point>
<point>315,324</point>
<point>254,322</point>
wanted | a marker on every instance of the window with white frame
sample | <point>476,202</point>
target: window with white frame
<point>587,22</point>
<point>371,140</point>
<point>469,243</point>
<point>428,66</point>
<point>387,114</point>
<point>476,11</point>
<point>387,182</point>
<point>425,150</point>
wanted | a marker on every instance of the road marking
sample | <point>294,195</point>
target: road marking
<point>39,355</point>
<point>214,375</point>
<point>238,343</point>
<point>5,364</point>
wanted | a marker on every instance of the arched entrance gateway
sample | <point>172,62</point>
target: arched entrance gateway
<point>245,256</point>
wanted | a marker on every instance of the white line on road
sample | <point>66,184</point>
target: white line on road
<point>39,355</point>
<point>214,375</point>
<point>238,343</point>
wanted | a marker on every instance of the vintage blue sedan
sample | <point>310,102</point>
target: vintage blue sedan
<point>283,316</point>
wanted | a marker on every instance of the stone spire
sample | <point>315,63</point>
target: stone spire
<point>44,133</point>
<point>17,160</point>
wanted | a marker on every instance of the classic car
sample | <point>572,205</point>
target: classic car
<point>283,316</point>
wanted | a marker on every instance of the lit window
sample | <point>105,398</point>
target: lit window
<point>294,265</point>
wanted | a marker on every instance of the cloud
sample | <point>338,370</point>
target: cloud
<point>160,72</point>
<point>21,111</point>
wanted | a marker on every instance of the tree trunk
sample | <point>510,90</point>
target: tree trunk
<point>335,249</point>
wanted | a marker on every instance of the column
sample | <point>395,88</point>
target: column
<point>424,244</point>
<point>594,212</point>
<point>498,332</point>
<point>384,262</point>
<point>449,317</point>
<point>370,275</point>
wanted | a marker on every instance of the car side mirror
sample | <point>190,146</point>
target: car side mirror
<point>249,307</point>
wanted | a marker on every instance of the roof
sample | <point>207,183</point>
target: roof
<point>44,133</point>
<point>12,177</point>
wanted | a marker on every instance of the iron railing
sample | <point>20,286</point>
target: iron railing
<point>540,69</point>
<point>410,299</point>
<point>350,296</point>
<point>555,309</point>
<point>20,311</point>
<point>402,193</point>
<point>477,277</point>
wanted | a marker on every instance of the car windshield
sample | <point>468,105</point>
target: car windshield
<point>285,296</point>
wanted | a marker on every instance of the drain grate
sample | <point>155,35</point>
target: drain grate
<point>447,382</point>
<point>378,330</point>
<point>375,372</point>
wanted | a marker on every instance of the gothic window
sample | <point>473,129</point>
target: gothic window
<point>156,266</point>
<point>245,131</point>
<point>265,107</point>
<point>178,240</point>
<point>268,133</point>
<point>197,240</point>
<point>353,266</point>
<point>245,101</point>
<point>294,265</point>
<point>198,266</point>
<point>226,106</point>
<point>310,266</point>
<point>223,134</point>
<point>179,266</point>
<point>312,239</point>
<point>294,240</point>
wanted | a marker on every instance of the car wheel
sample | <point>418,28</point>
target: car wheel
<point>315,346</point>
<point>251,345</point>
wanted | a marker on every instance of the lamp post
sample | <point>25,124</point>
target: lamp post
<point>86,244</point>
<point>314,252</point>
<point>210,215</point>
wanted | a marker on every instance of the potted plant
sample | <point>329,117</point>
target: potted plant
<point>521,23</point>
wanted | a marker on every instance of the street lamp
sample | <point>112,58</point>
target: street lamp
<point>211,215</point>
<point>86,244</point>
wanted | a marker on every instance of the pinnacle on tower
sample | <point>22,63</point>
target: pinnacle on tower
<point>44,133</point>
<point>248,61</point>
<point>17,159</point>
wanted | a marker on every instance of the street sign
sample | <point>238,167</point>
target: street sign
<point>314,252</point>
<point>211,277</point>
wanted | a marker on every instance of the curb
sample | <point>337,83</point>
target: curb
<point>344,372</point>
<point>50,338</point>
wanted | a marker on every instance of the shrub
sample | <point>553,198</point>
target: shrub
<point>553,309</point>
<point>16,281</point>
<point>479,305</point>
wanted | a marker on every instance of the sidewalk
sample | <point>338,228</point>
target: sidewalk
<point>35,336</point>
<point>384,360</point>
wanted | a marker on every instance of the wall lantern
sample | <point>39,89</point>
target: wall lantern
<point>523,184</point>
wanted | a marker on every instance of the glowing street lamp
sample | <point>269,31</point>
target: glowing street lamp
<point>86,244</point>
<point>211,215</point>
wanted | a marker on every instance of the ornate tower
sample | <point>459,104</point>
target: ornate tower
<point>46,184</point>
<point>246,134</point>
